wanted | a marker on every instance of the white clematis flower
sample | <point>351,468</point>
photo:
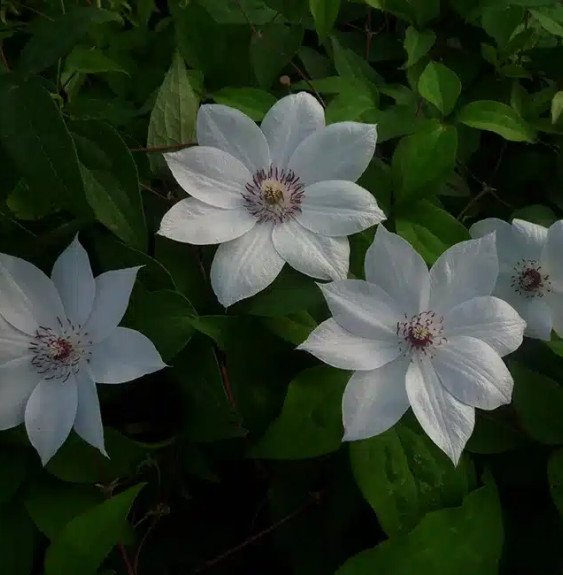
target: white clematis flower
<point>284,192</point>
<point>429,340</point>
<point>58,336</point>
<point>531,271</point>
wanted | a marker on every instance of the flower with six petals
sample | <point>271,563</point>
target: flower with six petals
<point>283,192</point>
<point>429,340</point>
<point>59,336</point>
<point>530,271</point>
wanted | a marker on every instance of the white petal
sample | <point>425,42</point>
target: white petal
<point>393,265</point>
<point>530,239</point>
<point>335,346</point>
<point>448,422</point>
<point>473,372</point>
<point>556,312</point>
<point>113,290</point>
<point>210,175</point>
<point>13,342</point>
<point>312,254</point>
<point>50,414</point>
<point>340,151</point>
<point>504,237</point>
<point>233,132</point>
<point>288,122</point>
<point>123,356</point>
<point>338,208</point>
<point>28,298</point>
<point>374,401</point>
<point>72,275</point>
<point>464,271</point>
<point>552,254</point>
<point>245,266</point>
<point>535,311</point>
<point>539,318</point>
<point>362,308</point>
<point>88,422</point>
<point>489,319</point>
<point>18,379</point>
<point>194,222</point>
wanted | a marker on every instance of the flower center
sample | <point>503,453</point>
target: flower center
<point>421,334</point>
<point>529,280</point>
<point>57,355</point>
<point>273,195</point>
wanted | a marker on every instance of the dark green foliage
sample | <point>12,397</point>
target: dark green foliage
<point>241,435</point>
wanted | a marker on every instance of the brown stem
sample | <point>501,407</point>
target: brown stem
<point>155,193</point>
<point>126,560</point>
<point>369,34</point>
<point>246,17</point>
<point>308,82</point>
<point>170,148</point>
<point>142,543</point>
<point>486,190</point>
<point>314,500</point>
<point>4,59</point>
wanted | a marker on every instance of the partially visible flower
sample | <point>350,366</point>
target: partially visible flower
<point>280,193</point>
<point>58,336</point>
<point>530,271</point>
<point>433,341</point>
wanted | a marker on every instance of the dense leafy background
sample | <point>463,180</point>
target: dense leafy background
<point>230,461</point>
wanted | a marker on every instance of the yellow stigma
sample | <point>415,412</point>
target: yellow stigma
<point>420,332</point>
<point>272,192</point>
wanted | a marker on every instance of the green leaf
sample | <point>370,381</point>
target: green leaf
<point>460,540</point>
<point>239,11</point>
<point>424,161</point>
<point>419,12</point>
<point>90,61</point>
<point>430,229</point>
<point>324,13</point>
<point>272,49</point>
<point>85,542</point>
<point>354,100</point>
<point>53,38</point>
<point>500,22</point>
<point>79,462</point>
<point>52,504</point>
<point>111,181</point>
<point>310,423</point>
<point>26,205</point>
<point>557,107</point>
<point>208,413</point>
<point>13,465</point>
<point>417,44</point>
<point>110,253</point>
<point>173,118</point>
<point>220,51</point>
<point>496,117</point>
<point>294,328</point>
<point>34,136</point>
<point>165,317</point>
<point>555,478</point>
<point>393,122</point>
<point>403,476</point>
<point>440,86</point>
<point>495,432</point>
<point>291,292</point>
<point>251,101</point>
<point>550,18</point>
<point>348,64</point>
<point>538,401</point>
<point>16,540</point>
<point>537,214</point>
